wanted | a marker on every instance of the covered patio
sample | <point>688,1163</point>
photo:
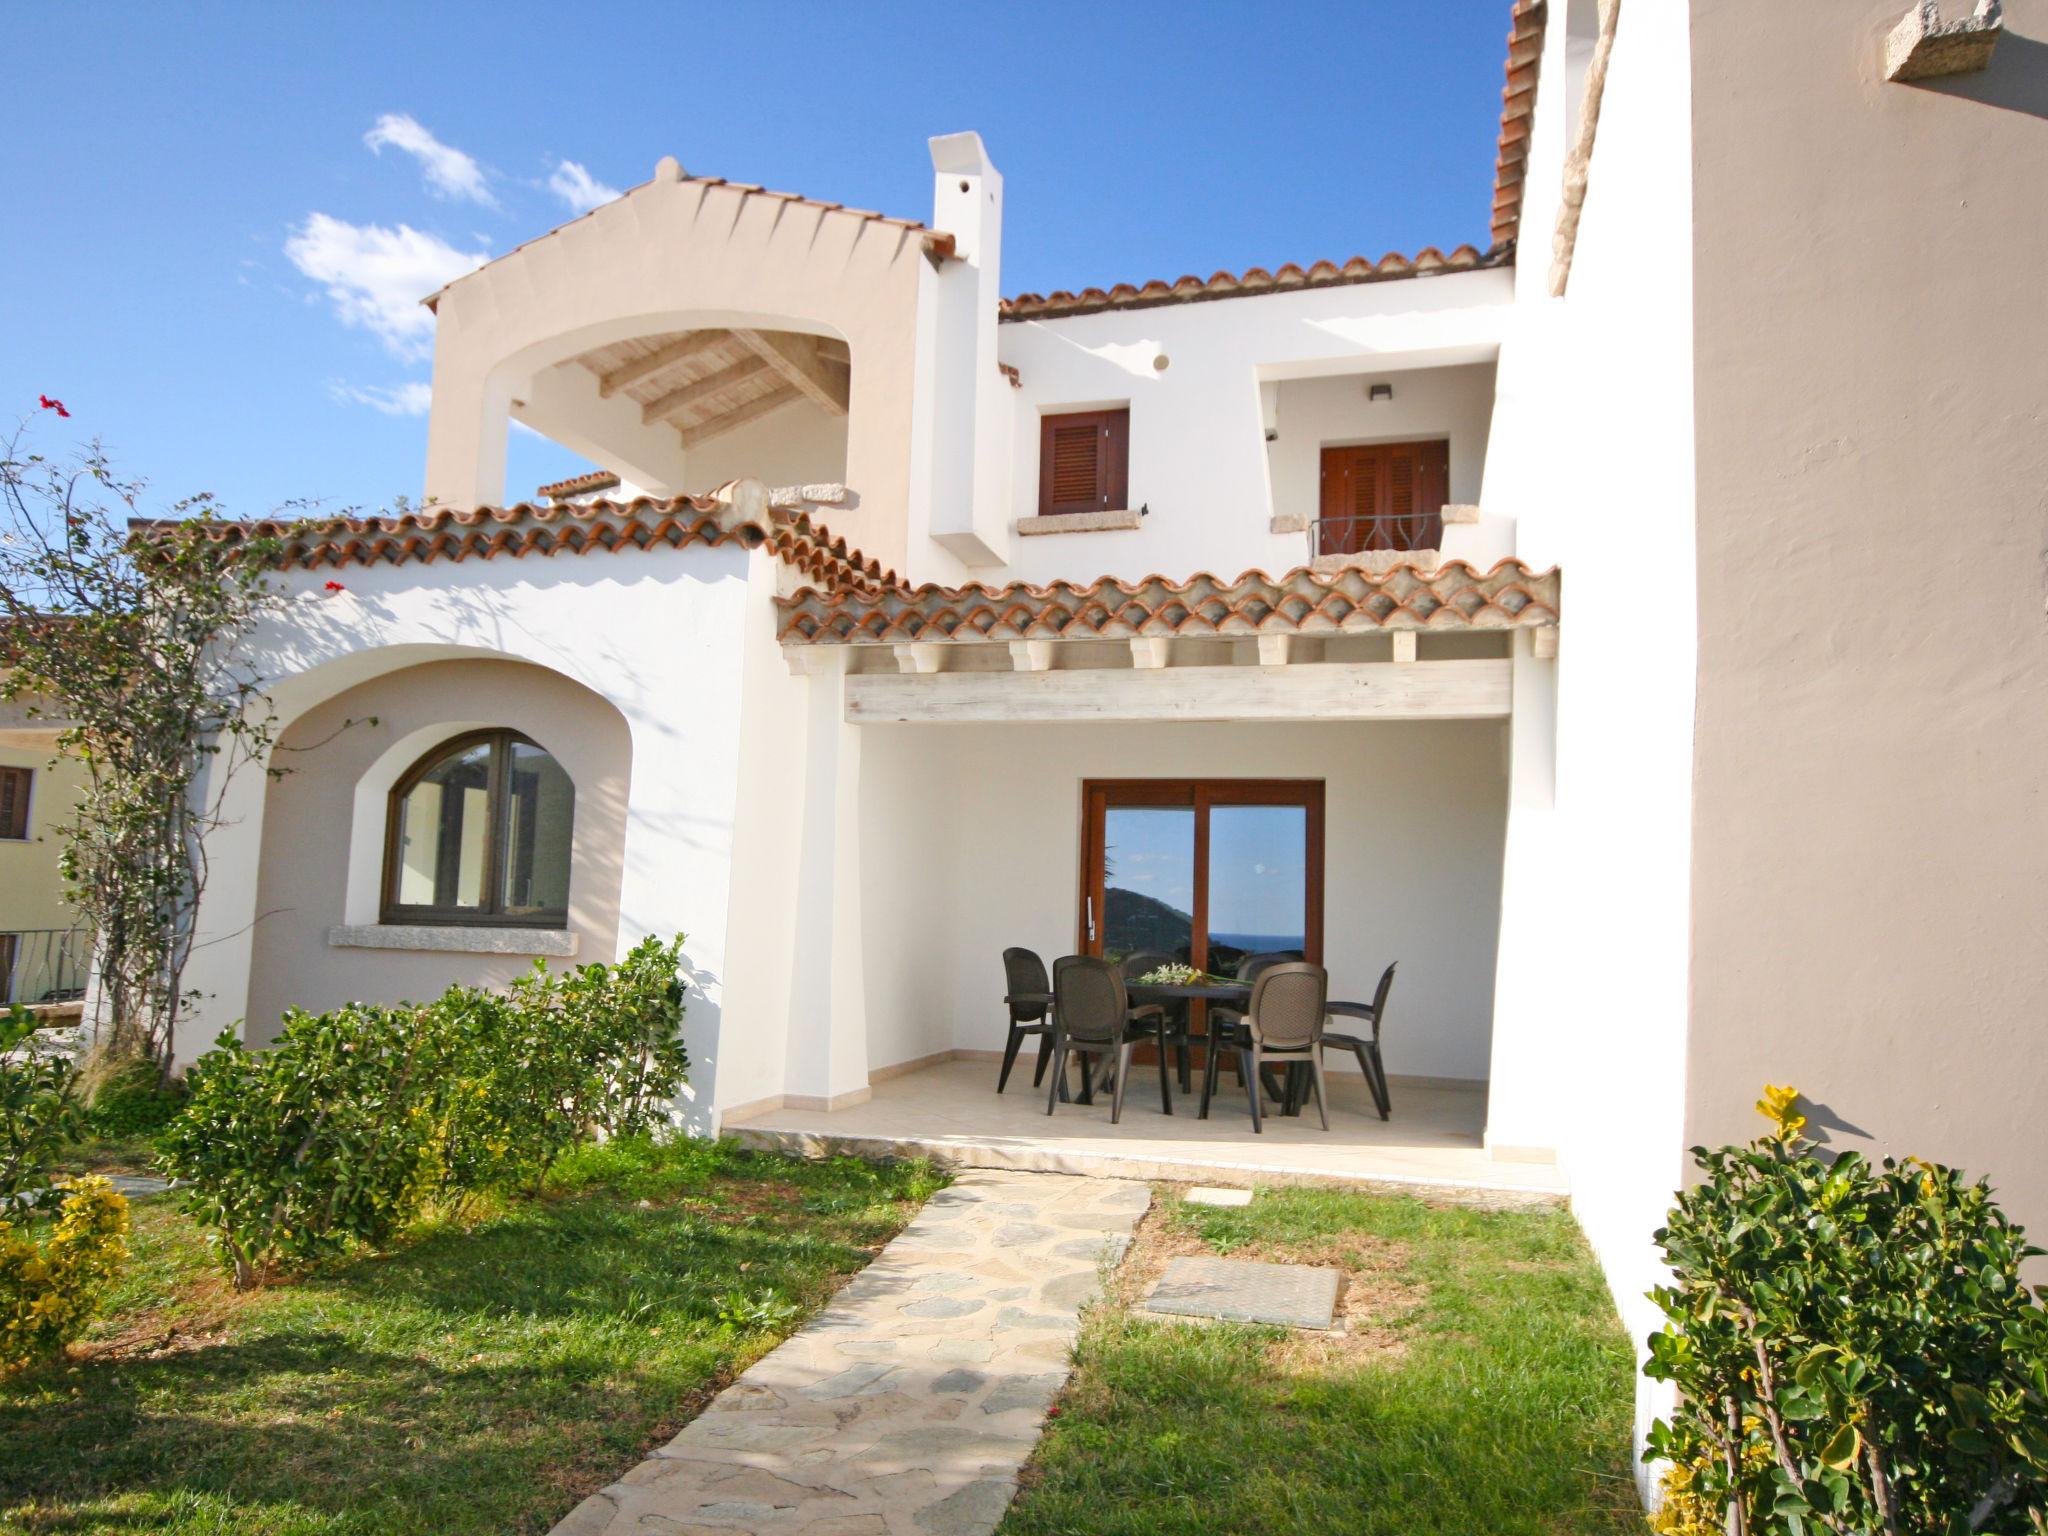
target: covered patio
<point>1317,764</point>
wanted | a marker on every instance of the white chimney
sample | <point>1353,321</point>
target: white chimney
<point>972,411</point>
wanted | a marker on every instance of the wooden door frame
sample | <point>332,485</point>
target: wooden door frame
<point>1199,796</point>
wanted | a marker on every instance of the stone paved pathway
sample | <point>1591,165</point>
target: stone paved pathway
<point>907,1407</point>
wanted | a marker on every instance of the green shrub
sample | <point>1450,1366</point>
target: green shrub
<point>340,1131</point>
<point>38,1107</point>
<point>320,1140</point>
<point>48,1293</point>
<point>130,1099</point>
<point>1852,1344</point>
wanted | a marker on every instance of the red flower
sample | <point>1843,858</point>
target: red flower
<point>53,405</point>
<point>335,586</point>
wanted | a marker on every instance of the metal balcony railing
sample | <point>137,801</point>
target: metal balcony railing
<point>1398,532</point>
<point>44,965</point>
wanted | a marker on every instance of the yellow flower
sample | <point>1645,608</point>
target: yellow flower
<point>1779,1105</point>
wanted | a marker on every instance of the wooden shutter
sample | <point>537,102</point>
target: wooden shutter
<point>1083,459</point>
<point>14,787</point>
<point>1384,496</point>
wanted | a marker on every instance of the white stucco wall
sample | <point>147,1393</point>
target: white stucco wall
<point>972,836</point>
<point>657,633</point>
<point>1592,454</point>
<point>1198,456</point>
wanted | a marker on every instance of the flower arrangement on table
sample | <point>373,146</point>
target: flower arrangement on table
<point>1176,974</point>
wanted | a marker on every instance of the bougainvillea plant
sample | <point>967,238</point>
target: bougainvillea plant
<point>1854,1349</point>
<point>129,637</point>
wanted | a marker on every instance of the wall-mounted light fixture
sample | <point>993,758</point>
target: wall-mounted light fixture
<point>1379,392</point>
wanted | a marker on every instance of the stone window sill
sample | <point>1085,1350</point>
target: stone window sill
<point>558,943</point>
<point>1081,522</point>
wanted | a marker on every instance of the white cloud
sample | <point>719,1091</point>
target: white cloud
<point>449,172</point>
<point>376,277</point>
<point>578,188</point>
<point>410,399</point>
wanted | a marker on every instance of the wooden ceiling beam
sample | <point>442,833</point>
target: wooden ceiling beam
<point>641,369</point>
<point>698,391</point>
<point>798,359</point>
<point>738,416</point>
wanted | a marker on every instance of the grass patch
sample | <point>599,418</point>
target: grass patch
<point>1482,1384</point>
<point>483,1377</point>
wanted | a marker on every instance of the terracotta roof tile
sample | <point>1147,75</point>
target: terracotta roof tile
<point>589,527</point>
<point>1256,280</point>
<point>1450,596</point>
<point>578,485</point>
<point>1517,112</point>
<point>1517,115</point>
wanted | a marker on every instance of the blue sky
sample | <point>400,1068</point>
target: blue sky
<point>218,213</point>
<point>1257,857</point>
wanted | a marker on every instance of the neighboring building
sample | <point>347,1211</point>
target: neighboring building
<point>1658,671</point>
<point>43,954</point>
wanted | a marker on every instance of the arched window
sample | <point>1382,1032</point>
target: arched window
<point>478,832</point>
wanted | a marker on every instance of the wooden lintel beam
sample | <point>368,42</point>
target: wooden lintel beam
<point>644,368</point>
<point>797,358</point>
<point>1478,689</point>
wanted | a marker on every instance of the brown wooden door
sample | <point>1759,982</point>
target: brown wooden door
<point>1384,496</point>
<point>9,943</point>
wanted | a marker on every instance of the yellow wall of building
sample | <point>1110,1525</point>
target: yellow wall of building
<point>31,889</point>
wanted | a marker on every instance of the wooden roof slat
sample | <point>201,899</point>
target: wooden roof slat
<point>681,350</point>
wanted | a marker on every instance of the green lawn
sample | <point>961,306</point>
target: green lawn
<point>483,1377</point>
<point>1484,1386</point>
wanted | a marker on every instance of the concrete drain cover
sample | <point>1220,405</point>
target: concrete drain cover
<point>1294,1295</point>
<point>1205,1194</point>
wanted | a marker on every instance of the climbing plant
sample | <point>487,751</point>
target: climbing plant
<point>130,636</point>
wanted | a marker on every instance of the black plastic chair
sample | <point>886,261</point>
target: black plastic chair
<point>1028,993</point>
<point>1091,1015</point>
<point>1367,1047</point>
<point>1169,1020</point>
<point>1283,1026</point>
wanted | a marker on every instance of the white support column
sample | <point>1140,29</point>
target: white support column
<point>920,656</point>
<point>466,435</point>
<point>1404,646</point>
<point>1523,1089</point>
<point>1274,650</point>
<point>225,927</point>
<point>828,1027</point>
<point>1149,652</point>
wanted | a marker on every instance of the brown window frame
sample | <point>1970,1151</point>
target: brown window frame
<point>1112,465</point>
<point>1098,795</point>
<point>392,911</point>
<point>16,827</point>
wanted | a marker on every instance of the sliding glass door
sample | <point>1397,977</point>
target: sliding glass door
<point>1204,870</point>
